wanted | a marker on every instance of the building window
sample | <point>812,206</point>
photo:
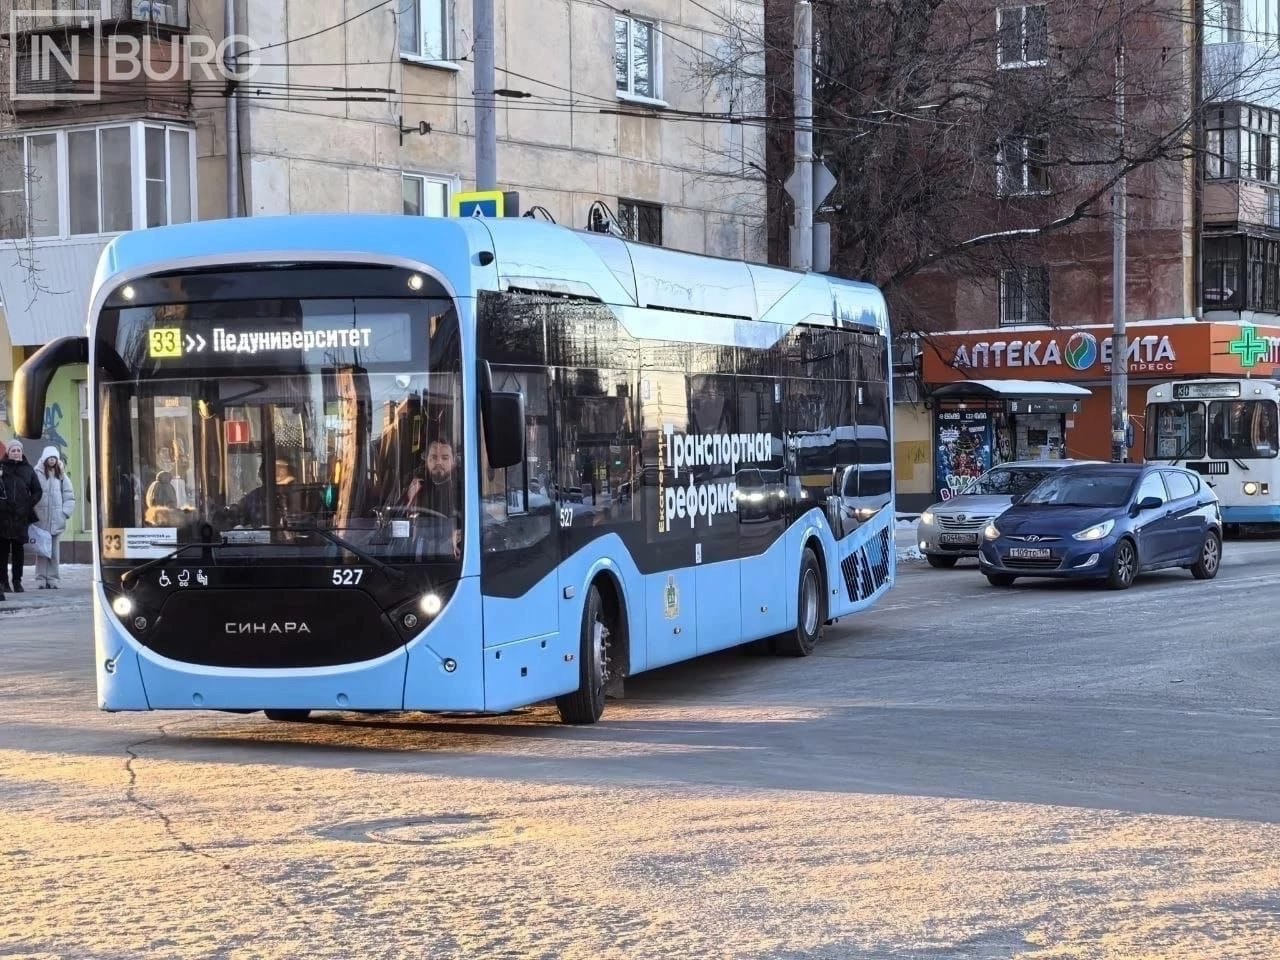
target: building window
<point>1222,144</point>
<point>1024,296</point>
<point>426,196</point>
<point>1021,166</point>
<point>424,29</point>
<point>96,180</point>
<point>1022,36</point>
<point>1258,144</point>
<point>637,58</point>
<point>641,221</point>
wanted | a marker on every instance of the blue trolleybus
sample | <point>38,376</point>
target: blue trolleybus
<point>372,463</point>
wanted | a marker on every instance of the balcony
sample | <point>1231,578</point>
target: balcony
<point>35,16</point>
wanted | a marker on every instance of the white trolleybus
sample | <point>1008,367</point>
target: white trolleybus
<point>1225,430</point>
<point>366,463</point>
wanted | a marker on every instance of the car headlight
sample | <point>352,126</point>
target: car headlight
<point>991,533</point>
<point>926,518</point>
<point>1096,532</point>
<point>1250,489</point>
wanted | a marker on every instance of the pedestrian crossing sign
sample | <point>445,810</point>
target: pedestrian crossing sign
<point>486,204</point>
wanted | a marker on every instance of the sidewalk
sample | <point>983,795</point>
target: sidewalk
<point>73,591</point>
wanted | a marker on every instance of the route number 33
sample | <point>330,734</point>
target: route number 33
<point>347,576</point>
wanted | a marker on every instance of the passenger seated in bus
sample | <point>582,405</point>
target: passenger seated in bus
<point>254,503</point>
<point>433,486</point>
<point>161,492</point>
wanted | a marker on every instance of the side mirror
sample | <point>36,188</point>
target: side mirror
<point>1149,503</point>
<point>32,379</point>
<point>503,418</point>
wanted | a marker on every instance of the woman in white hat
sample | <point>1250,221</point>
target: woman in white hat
<point>55,508</point>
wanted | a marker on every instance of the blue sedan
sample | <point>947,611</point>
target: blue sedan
<point>1106,522</point>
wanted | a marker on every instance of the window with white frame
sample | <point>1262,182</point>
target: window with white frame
<point>1024,296</point>
<point>1022,36</point>
<point>96,180</point>
<point>637,58</point>
<point>1021,166</point>
<point>424,29</point>
<point>426,196</point>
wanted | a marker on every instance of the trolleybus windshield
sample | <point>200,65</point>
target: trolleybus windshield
<point>262,424</point>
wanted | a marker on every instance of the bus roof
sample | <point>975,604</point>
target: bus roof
<point>528,255</point>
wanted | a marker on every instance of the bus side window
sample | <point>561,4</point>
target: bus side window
<point>516,502</point>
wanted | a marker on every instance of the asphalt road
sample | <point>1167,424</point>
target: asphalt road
<point>1048,771</point>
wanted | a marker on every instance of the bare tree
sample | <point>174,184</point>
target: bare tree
<point>966,139</point>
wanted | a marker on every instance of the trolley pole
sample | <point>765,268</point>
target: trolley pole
<point>1119,340</point>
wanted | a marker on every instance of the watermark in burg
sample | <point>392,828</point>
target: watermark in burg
<point>66,56</point>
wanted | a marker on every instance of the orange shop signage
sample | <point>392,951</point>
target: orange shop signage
<point>1080,351</point>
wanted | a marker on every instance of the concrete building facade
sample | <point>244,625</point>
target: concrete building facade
<point>603,121</point>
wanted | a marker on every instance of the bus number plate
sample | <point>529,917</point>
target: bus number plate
<point>347,576</point>
<point>166,343</point>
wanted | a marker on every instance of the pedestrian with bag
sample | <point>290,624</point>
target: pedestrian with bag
<point>57,504</point>
<point>20,491</point>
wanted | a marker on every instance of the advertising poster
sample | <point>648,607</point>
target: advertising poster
<point>963,447</point>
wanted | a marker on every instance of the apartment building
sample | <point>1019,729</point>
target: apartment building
<point>1202,232</point>
<point>604,121</point>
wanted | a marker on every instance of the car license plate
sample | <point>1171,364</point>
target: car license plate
<point>1029,553</point>
<point>959,539</point>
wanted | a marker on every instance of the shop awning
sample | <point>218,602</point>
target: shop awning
<point>1009,390</point>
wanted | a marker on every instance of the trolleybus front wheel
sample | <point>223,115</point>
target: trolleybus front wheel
<point>586,704</point>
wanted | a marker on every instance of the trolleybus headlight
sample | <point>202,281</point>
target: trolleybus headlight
<point>129,292</point>
<point>415,282</point>
<point>123,606</point>
<point>1250,488</point>
<point>431,604</point>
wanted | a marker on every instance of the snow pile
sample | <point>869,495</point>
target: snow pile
<point>910,554</point>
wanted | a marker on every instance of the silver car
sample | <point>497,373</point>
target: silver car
<point>951,529</point>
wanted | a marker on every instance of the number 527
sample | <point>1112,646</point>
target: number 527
<point>347,576</point>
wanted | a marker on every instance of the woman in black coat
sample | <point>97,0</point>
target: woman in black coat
<point>20,491</point>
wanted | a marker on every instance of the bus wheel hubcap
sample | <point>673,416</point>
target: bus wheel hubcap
<point>600,650</point>
<point>810,602</point>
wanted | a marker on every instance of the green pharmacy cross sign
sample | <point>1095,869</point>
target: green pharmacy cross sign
<point>1249,348</point>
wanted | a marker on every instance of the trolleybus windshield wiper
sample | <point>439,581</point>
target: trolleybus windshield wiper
<point>348,545</point>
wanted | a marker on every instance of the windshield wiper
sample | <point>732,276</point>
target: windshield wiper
<point>338,541</point>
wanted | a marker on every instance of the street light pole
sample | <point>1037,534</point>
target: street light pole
<point>802,234</point>
<point>485,108</point>
<point>1119,340</point>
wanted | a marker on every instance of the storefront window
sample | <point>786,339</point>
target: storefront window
<point>1175,431</point>
<point>1243,430</point>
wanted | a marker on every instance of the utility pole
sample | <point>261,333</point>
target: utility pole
<point>233,112</point>
<point>485,110</point>
<point>802,234</point>
<point>1119,341</point>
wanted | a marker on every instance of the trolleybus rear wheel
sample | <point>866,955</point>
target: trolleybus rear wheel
<point>586,704</point>
<point>801,641</point>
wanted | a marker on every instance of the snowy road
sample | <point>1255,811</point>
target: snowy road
<point>1047,772</point>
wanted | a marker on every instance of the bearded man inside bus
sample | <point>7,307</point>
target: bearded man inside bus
<point>433,486</point>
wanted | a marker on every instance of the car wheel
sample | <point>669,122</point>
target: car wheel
<point>586,704</point>
<point>1124,566</point>
<point>942,563</point>
<point>1000,579</point>
<point>1206,568</point>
